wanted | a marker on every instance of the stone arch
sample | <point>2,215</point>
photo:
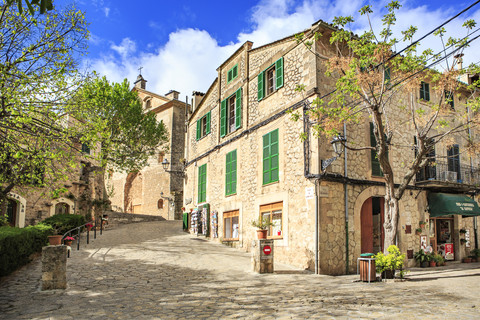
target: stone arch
<point>61,200</point>
<point>20,210</point>
<point>133,192</point>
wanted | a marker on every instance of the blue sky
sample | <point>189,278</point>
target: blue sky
<point>180,43</point>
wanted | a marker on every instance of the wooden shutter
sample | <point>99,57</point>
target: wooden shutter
<point>199,126</point>
<point>270,157</point>
<point>227,173</point>
<point>207,129</point>
<point>238,108</point>
<point>279,73</point>
<point>229,75</point>
<point>235,72</point>
<point>376,170</point>
<point>261,86</point>
<point>223,118</point>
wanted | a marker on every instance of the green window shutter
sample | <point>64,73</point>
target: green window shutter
<point>235,71</point>
<point>229,75</point>
<point>223,118</point>
<point>279,73</point>
<point>238,108</point>
<point>227,173</point>
<point>424,91</point>
<point>198,129</point>
<point>202,183</point>
<point>233,172</point>
<point>261,86</point>
<point>376,170</point>
<point>207,130</point>
<point>270,157</point>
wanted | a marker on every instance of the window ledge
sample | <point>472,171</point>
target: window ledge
<point>270,183</point>
<point>230,240</point>
<point>230,195</point>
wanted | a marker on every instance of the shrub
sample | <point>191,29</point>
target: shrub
<point>17,245</point>
<point>392,261</point>
<point>61,223</point>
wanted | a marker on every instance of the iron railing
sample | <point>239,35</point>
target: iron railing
<point>442,171</point>
<point>75,232</point>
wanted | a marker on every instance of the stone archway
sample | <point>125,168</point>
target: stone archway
<point>62,202</point>
<point>133,193</point>
<point>18,208</point>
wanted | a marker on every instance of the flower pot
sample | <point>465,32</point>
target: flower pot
<point>388,274</point>
<point>433,264</point>
<point>89,228</point>
<point>262,234</point>
<point>424,264</point>
<point>467,260</point>
<point>55,240</point>
<point>67,242</point>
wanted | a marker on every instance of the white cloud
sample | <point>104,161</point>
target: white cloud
<point>106,10</point>
<point>188,60</point>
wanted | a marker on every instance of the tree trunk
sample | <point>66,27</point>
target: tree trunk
<point>391,220</point>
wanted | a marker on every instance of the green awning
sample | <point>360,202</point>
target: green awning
<point>442,204</point>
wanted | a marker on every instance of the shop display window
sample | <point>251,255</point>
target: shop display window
<point>273,212</point>
<point>231,225</point>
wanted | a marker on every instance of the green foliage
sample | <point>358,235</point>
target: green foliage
<point>475,252</point>
<point>420,256</point>
<point>61,223</point>
<point>116,120</point>
<point>17,245</point>
<point>262,223</point>
<point>43,5</point>
<point>3,220</point>
<point>394,260</point>
<point>438,258</point>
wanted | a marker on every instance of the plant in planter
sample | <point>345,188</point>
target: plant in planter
<point>431,260</point>
<point>476,254</point>
<point>422,258</point>
<point>463,241</point>
<point>467,260</point>
<point>388,264</point>
<point>422,224</point>
<point>418,231</point>
<point>463,231</point>
<point>262,224</point>
<point>89,226</point>
<point>68,240</point>
<point>439,260</point>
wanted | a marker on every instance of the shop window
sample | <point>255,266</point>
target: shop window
<point>270,79</point>
<point>203,126</point>
<point>231,225</point>
<point>273,213</point>
<point>231,113</point>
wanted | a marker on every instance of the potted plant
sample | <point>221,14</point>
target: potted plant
<point>418,231</point>
<point>467,260</point>
<point>422,258</point>
<point>68,240</point>
<point>463,241</point>
<point>55,240</point>
<point>439,260</point>
<point>262,224</point>
<point>476,254</point>
<point>89,226</point>
<point>422,224</point>
<point>431,260</point>
<point>388,264</point>
<point>463,230</point>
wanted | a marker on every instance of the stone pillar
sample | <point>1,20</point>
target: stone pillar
<point>54,267</point>
<point>262,256</point>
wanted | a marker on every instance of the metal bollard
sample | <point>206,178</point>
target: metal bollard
<point>78,239</point>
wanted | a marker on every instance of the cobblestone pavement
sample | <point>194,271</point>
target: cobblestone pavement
<point>155,271</point>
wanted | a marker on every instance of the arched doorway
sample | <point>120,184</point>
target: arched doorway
<point>62,208</point>
<point>12,212</point>
<point>372,217</point>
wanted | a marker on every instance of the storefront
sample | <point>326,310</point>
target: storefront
<point>446,211</point>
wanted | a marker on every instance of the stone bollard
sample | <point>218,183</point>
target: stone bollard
<point>262,256</point>
<point>54,267</point>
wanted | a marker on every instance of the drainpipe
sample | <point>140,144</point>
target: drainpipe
<point>475,226</point>
<point>345,187</point>
<point>317,203</point>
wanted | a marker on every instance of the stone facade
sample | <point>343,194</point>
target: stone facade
<point>54,267</point>
<point>152,191</point>
<point>339,220</point>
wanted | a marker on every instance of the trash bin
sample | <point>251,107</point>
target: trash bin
<point>367,267</point>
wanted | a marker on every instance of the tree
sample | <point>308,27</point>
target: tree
<point>372,80</point>
<point>38,73</point>
<point>116,121</point>
<point>44,5</point>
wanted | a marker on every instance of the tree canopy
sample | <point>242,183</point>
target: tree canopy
<point>374,81</point>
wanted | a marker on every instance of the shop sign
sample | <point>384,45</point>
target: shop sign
<point>449,251</point>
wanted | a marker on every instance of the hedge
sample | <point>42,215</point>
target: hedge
<point>16,245</point>
<point>61,223</point>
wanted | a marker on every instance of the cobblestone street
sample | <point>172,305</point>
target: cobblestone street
<point>155,271</point>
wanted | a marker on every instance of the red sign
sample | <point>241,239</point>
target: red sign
<point>267,250</point>
<point>449,251</point>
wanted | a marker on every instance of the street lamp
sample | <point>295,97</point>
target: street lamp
<point>166,165</point>
<point>338,143</point>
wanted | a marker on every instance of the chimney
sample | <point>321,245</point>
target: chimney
<point>197,98</point>
<point>172,95</point>
<point>459,59</point>
<point>140,83</point>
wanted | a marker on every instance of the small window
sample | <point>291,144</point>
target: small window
<point>449,99</point>
<point>387,75</point>
<point>232,73</point>
<point>160,204</point>
<point>273,213</point>
<point>148,104</point>
<point>85,148</point>
<point>425,91</point>
<point>203,126</point>
<point>270,79</point>
<point>230,225</point>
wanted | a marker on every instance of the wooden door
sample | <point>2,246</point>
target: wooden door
<point>367,226</point>
<point>12,212</point>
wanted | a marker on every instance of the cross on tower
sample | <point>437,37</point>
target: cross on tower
<point>140,70</point>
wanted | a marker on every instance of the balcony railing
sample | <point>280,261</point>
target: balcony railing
<point>442,172</point>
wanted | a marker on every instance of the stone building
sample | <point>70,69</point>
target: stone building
<point>245,160</point>
<point>152,190</point>
<point>84,187</point>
